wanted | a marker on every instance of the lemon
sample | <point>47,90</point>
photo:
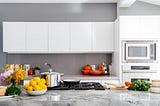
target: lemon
<point>36,88</point>
<point>42,80</point>
<point>37,79</point>
<point>32,83</point>
<point>40,84</point>
<point>26,86</point>
<point>29,88</point>
<point>43,87</point>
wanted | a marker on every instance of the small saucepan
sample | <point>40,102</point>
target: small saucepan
<point>71,81</point>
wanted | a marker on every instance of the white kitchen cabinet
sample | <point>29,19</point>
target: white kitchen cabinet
<point>59,37</point>
<point>149,26</point>
<point>137,27</point>
<point>103,36</point>
<point>81,36</point>
<point>14,36</point>
<point>36,37</point>
<point>129,26</point>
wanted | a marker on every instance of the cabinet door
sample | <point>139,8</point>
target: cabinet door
<point>149,26</point>
<point>81,36</point>
<point>103,35</point>
<point>13,36</point>
<point>37,37</point>
<point>129,27</point>
<point>59,37</point>
<point>158,26</point>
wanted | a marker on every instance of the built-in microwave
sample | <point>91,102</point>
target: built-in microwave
<point>139,51</point>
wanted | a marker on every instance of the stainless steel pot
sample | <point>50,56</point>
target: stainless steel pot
<point>52,78</point>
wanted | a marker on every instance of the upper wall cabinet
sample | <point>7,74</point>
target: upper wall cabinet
<point>139,26</point>
<point>14,37</point>
<point>103,36</point>
<point>81,36</point>
<point>37,37</point>
<point>129,26</point>
<point>59,37</point>
<point>150,25</point>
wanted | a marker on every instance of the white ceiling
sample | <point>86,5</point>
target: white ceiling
<point>156,2</point>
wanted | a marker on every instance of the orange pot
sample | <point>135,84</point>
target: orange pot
<point>86,72</point>
<point>96,73</point>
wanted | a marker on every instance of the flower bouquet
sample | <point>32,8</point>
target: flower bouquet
<point>12,75</point>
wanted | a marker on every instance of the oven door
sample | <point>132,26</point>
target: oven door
<point>137,51</point>
<point>136,76</point>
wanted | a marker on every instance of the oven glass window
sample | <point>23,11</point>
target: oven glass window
<point>134,51</point>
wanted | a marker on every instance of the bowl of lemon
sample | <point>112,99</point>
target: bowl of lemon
<point>36,86</point>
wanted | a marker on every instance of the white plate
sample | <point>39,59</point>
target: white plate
<point>35,93</point>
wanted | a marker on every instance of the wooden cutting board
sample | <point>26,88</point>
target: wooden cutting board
<point>118,88</point>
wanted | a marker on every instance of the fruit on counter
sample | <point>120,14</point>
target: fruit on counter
<point>87,67</point>
<point>128,83</point>
<point>30,72</point>
<point>36,84</point>
<point>139,85</point>
<point>86,72</point>
<point>101,67</point>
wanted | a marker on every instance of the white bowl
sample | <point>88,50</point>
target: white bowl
<point>155,83</point>
<point>35,93</point>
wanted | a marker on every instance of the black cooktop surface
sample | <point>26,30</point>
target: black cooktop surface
<point>79,86</point>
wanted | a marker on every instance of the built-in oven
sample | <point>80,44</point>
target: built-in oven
<point>139,51</point>
<point>139,76</point>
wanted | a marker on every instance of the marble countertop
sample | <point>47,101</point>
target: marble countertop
<point>86,98</point>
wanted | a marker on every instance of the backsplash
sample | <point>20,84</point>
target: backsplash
<point>69,64</point>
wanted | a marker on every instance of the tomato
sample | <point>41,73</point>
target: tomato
<point>30,72</point>
<point>128,83</point>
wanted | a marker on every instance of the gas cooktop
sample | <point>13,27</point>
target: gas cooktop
<point>79,86</point>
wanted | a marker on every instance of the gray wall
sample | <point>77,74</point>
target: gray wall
<point>58,12</point>
<point>140,8</point>
<point>66,63</point>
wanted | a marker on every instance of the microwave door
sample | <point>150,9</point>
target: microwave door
<point>137,51</point>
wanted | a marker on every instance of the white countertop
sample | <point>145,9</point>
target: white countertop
<point>86,98</point>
